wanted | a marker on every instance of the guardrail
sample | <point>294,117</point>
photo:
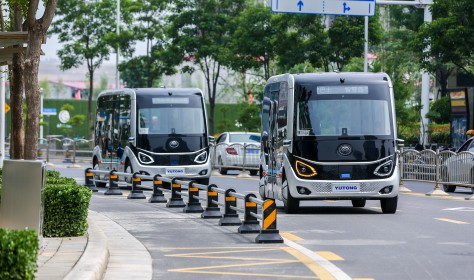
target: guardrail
<point>268,232</point>
<point>444,168</point>
<point>244,157</point>
<point>69,152</point>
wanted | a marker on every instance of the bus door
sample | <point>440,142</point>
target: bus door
<point>272,135</point>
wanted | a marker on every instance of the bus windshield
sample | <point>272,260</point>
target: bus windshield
<point>171,115</point>
<point>344,111</point>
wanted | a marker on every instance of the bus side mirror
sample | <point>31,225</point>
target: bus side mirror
<point>131,140</point>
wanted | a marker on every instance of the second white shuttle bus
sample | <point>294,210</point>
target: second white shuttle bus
<point>329,136</point>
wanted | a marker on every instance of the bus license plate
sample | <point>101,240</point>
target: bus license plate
<point>341,187</point>
<point>174,171</point>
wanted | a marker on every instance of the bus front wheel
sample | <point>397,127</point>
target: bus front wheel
<point>389,205</point>
<point>291,204</point>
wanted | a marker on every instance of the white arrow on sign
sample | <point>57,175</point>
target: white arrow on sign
<point>328,7</point>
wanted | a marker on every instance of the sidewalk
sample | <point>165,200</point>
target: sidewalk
<point>107,251</point>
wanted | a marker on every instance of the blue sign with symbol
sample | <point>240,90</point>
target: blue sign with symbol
<point>327,7</point>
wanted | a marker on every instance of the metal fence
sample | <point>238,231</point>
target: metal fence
<point>67,150</point>
<point>446,169</point>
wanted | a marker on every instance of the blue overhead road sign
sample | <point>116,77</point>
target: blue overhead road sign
<point>327,7</point>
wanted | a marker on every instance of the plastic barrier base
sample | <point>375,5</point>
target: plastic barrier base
<point>269,236</point>
<point>212,213</point>
<point>136,195</point>
<point>175,203</point>
<point>193,207</point>
<point>113,192</point>
<point>157,198</point>
<point>250,227</point>
<point>230,220</point>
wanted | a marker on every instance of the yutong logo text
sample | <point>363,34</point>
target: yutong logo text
<point>346,188</point>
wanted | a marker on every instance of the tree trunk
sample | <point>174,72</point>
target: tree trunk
<point>16,92</point>
<point>37,31</point>
<point>32,92</point>
<point>16,102</point>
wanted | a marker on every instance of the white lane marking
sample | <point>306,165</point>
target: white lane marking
<point>331,268</point>
<point>464,209</point>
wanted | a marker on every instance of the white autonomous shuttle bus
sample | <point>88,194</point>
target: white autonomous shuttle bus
<point>153,131</point>
<point>329,136</point>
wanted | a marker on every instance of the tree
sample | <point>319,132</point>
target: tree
<point>83,37</point>
<point>251,46</point>
<point>29,63</point>
<point>345,38</point>
<point>148,25</point>
<point>447,39</point>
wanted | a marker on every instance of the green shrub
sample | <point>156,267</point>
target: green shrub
<point>52,174</point>
<point>65,210</point>
<point>60,181</point>
<point>19,251</point>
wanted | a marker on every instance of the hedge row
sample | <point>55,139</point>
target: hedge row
<point>65,215</point>
<point>19,250</point>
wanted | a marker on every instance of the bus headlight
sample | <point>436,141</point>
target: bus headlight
<point>145,158</point>
<point>201,158</point>
<point>384,169</point>
<point>304,169</point>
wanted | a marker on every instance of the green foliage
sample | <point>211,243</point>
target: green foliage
<point>19,251</point>
<point>440,136</point>
<point>445,39</point>
<point>65,207</point>
<point>440,110</point>
<point>249,117</point>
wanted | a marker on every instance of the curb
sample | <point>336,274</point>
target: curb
<point>93,262</point>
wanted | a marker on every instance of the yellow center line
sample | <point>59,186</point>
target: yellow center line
<point>249,274</point>
<point>330,256</point>
<point>290,236</point>
<point>452,221</point>
<point>221,252</point>
<point>318,270</point>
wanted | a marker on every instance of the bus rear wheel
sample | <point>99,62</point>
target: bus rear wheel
<point>291,204</point>
<point>389,205</point>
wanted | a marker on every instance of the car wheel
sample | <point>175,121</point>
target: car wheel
<point>358,202</point>
<point>291,204</point>
<point>95,166</point>
<point>449,188</point>
<point>253,172</point>
<point>389,205</point>
<point>222,170</point>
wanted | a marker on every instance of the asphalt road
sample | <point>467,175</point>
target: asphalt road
<point>428,238</point>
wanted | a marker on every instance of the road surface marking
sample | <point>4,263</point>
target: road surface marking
<point>452,221</point>
<point>334,271</point>
<point>322,273</point>
<point>330,256</point>
<point>290,236</point>
<point>464,209</point>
